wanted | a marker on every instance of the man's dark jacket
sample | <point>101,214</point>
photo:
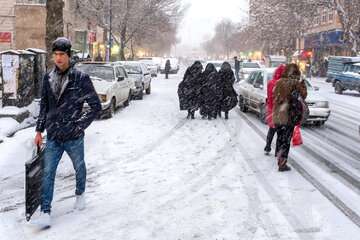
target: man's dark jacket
<point>64,118</point>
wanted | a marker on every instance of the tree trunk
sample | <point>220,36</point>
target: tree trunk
<point>54,26</point>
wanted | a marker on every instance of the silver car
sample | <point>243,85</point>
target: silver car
<point>140,75</point>
<point>253,95</point>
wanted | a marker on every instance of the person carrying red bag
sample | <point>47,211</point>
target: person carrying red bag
<point>269,107</point>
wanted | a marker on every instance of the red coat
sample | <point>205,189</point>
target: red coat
<point>270,101</point>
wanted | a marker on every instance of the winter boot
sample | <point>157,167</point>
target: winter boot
<point>189,115</point>
<point>43,221</point>
<point>219,113</point>
<point>226,115</point>
<point>192,115</point>
<point>267,150</point>
<point>80,203</point>
<point>283,167</point>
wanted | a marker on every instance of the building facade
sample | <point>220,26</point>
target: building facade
<point>23,25</point>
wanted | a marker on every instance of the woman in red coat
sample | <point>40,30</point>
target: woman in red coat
<point>269,105</point>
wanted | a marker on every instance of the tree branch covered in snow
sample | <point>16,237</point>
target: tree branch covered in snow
<point>137,22</point>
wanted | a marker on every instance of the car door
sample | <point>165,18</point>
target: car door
<point>257,98</point>
<point>146,76</point>
<point>121,85</point>
<point>251,89</point>
<point>127,83</point>
<point>246,87</point>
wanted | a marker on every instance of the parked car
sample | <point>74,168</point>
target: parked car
<point>248,67</point>
<point>111,84</point>
<point>151,65</point>
<point>140,75</point>
<point>273,61</point>
<point>344,73</point>
<point>174,62</point>
<point>253,95</point>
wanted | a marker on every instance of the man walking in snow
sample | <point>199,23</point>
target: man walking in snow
<point>64,92</point>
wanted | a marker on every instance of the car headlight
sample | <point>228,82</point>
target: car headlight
<point>103,97</point>
<point>322,104</point>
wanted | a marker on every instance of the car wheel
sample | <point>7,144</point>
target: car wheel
<point>127,102</point>
<point>262,113</point>
<point>140,96</point>
<point>242,104</point>
<point>112,108</point>
<point>338,88</point>
<point>148,90</point>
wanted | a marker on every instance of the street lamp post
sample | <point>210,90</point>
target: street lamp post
<point>109,45</point>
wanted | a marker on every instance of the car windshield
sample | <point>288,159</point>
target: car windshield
<point>132,69</point>
<point>250,65</point>
<point>97,71</point>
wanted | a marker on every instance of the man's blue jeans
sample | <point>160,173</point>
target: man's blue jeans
<point>53,153</point>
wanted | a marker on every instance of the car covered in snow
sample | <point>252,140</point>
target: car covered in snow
<point>253,94</point>
<point>248,67</point>
<point>152,64</point>
<point>140,75</point>
<point>111,83</point>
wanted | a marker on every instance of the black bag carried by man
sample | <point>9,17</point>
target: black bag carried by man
<point>33,182</point>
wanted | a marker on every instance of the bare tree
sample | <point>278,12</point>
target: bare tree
<point>348,11</point>
<point>135,20</point>
<point>54,25</point>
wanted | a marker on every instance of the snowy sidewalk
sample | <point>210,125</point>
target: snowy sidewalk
<point>154,175</point>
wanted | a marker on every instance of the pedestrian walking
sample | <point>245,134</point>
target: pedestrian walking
<point>289,95</point>
<point>210,92</point>
<point>229,96</point>
<point>64,92</point>
<point>237,68</point>
<point>167,69</point>
<point>270,105</point>
<point>189,88</point>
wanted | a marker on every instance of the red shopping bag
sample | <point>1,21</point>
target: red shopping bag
<point>297,139</point>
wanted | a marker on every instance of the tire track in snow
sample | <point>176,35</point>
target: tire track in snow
<point>347,211</point>
<point>8,200</point>
<point>282,206</point>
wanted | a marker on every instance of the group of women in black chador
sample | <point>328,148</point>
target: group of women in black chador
<point>210,91</point>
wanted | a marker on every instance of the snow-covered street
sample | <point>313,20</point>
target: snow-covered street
<point>153,174</point>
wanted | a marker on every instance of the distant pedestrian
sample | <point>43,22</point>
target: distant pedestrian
<point>270,105</point>
<point>289,91</point>
<point>189,90</point>
<point>210,92</point>
<point>229,95</point>
<point>237,68</point>
<point>64,92</point>
<point>167,69</point>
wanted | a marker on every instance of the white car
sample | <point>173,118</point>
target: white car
<point>253,94</point>
<point>152,65</point>
<point>140,75</point>
<point>111,83</point>
<point>248,67</point>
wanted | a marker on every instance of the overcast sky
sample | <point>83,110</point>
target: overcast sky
<point>202,16</point>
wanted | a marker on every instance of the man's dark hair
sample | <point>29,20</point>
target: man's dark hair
<point>62,44</point>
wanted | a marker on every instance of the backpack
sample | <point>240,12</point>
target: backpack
<point>298,109</point>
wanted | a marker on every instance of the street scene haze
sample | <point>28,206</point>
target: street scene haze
<point>179,119</point>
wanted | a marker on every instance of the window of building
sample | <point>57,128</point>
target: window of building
<point>331,16</point>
